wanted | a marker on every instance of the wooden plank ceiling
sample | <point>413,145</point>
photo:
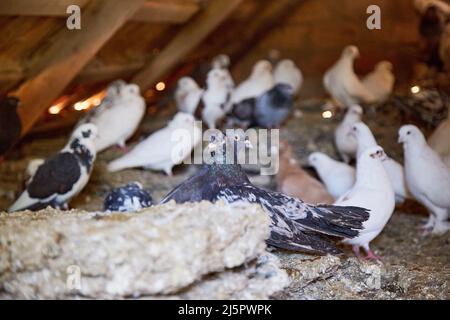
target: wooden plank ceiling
<point>146,42</point>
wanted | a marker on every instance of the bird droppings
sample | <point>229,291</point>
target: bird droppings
<point>413,266</point>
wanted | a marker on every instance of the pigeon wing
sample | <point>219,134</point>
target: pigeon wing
<point>55,176</point>
<point>297,225</point>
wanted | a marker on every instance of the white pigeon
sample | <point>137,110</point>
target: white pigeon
<point>62,176</point>
<point>338,177</point>
<point>221,61</point>
<point>439,140</point>
<point>216,99</point>
<point>427,177</point>
<point>380,81</point>
<point>343,84</point>
<point>345,142</point>
<point>260,80</point>
<point>373,191</point>
<point>188,95</point>
<point>395,171</point>
<point>287,72</point>
<point>117,122</point>
<point>163,149</point>
<point>112,94</point>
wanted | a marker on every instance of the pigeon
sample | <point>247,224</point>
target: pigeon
<point>216,99</point>
<point>10,124</point>
<point>372,190</point>
<point>338,177</point>
<point>164,148</point>
<point>343,84</point>
<point>188,95</point>
<point>112,93</point>
<point>242,114</point>
<point>439,140</point>
<point>293,181</point>
<point>129,198</point>
<point>62,176</point>
<point>260,80</point>
<point>346,143</point>
<point>287,72</point>
<point>395,171</point>
<point>274,106</point>
<point>380,81</point>
<point>222,61</point>
<point>118,117</point>
<point>427,177</point>
<point>295,225</point>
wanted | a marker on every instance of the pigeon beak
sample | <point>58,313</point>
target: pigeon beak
<point>400,139</point>
<point>211,146</point>
<point>384,157</point>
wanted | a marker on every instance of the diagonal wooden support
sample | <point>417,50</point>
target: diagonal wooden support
<point>170,11</point>
<point>196,30</point>
<point>270,15</point>
<point>52,70</point>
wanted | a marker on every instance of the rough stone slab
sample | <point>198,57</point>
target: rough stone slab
<point>157,252</point>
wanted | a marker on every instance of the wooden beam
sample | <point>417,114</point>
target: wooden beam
<point>69,52</point>
<point>168,11</point>
<point>270,15</point>
<point>186,40</point>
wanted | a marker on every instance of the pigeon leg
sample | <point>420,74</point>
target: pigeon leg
<point>429,224</point>
<point>371,255</point>
<point>168,171</point>
<point>439,218</point>
<point>355,249</point>
<point>440,227</point>
<point>122,146</point>
<point>345,158</point>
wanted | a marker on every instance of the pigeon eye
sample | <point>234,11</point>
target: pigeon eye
<point>86,134</point>
<point>236,138</point>
<point>408,132</point>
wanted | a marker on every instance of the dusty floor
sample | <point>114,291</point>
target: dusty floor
<point>414,266</point>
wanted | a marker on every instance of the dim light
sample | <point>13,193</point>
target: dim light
<point>160,86</point>
<point>327,114</point>
<point>415,89</point>
<point>55,109</point>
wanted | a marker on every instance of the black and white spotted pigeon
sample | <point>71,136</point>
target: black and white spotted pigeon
<point>62,176</point>
<point>131,197</point>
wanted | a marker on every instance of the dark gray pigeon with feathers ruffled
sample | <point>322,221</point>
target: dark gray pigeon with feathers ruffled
<point>296,225</point>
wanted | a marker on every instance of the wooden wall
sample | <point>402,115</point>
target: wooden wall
<point>315,33</point>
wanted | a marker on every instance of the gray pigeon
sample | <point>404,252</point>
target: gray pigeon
<point>274,106</point>
<point>295,225</point>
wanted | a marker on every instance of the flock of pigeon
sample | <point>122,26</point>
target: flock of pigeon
<point>353,205</point>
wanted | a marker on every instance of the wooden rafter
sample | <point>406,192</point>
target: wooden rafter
<point>168,11</point>
<point>53,69</point>
<point>268,17</point>
<point>196,30</point>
